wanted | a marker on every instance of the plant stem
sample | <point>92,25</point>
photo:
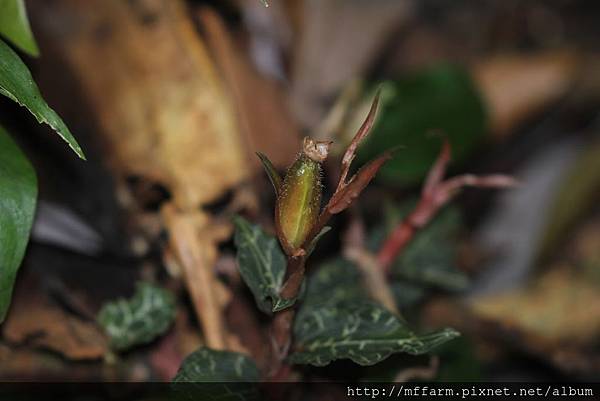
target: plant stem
<point>404,232</point>
<point>281,326</point>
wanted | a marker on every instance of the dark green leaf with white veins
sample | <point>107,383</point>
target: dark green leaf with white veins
<point>207,365</point>
<point>208,374</point>
<point>17,83</point>
<point>361,331</point>
<point>335,281</point>
<point>14,26</point>
<point>18,195</point>
<point>139,320</point>
<point>262,265</point>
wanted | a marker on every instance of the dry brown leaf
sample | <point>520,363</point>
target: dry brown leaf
<point>193,241</point>
<point>164,115</point>
<point>259,102</point>
<point>155,92</point>
<point>339,41</point>
<point>34,320</point>
<point>561,306</point>
<point>516,87</point>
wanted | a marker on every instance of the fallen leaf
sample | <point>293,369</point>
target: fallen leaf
<point>561,306</point>
<point>154,91</point>
<point>264,118</point>
<point>193,241</point>
<point>339,41</point>
<point>35,321</point>
<point>516,87</point>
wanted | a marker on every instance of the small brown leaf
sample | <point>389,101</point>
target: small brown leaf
<point>361,134</point>
<point>344,197</point>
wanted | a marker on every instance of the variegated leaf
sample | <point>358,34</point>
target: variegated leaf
<point>208,365</point>
<point>208,374</point>
<point>139,320</point>
<point>361,331</point>
<point>333,282</point>
<point>262,265</point>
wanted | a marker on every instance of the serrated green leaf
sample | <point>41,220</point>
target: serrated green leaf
<point>208,374</point>
<point>262,265</point>
<point>18,195</point>
<point>442,98</point>
<point>17,83</point>
<point>361,331</point>
<point>147,315</point>
<point>14,26</point>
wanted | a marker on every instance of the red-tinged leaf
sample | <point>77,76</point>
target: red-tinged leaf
<point>345,196</point>
<point>361,134</point>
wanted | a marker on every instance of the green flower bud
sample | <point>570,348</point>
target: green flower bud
<point>299,200</point>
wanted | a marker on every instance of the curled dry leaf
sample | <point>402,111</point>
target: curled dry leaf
<point>170,123</point>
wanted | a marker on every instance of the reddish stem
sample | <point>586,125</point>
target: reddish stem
<point>401,236</point>
<point>435,194</point>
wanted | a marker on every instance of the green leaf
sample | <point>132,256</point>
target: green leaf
<point>407,294</point>
<point>333,282</point>
<point>459,361</point>
<point>338,320</point>
<point>14,26</point>
<point>272,173</point>
<point>18,195</point>
<point>208,374</point>
<point>207,365</point>
<point>311,247</point>
<point>139,320</point>
<point>17,83</point>
<point>262,265</point>
<point>442,99</point>
<point>364,332</point>
<point>429,259</point>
